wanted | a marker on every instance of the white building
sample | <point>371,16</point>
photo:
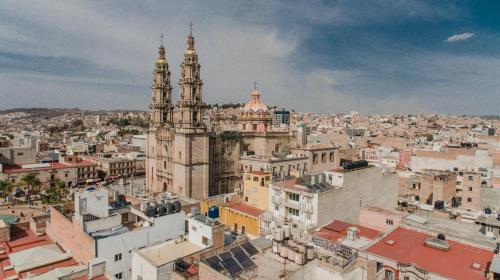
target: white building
<point>316,200</point>
<point>158,262</point>
<point>111,229</point>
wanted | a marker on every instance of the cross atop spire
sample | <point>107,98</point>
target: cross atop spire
<point>161,39</point>
<point>255,85</point>
<point>191,28</point>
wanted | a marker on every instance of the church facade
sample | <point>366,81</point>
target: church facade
<point>192,158</point>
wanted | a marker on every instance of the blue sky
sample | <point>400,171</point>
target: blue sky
<point>324,56</point>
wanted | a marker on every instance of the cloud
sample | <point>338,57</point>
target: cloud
<point>322,57</point>
<point>460,37</point>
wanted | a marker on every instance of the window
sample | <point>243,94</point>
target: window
<point>193,228</point>
<point>332,156</point>
<point>255,179</point>
<point>293,196</point>
<point>294,212</point>
<point>315,158</point>
<point>469,199</point>
<point>246,198</point>
<point>118,275</point>
<point>470,189</point>
<point>406,278</point>
<point>323,157</point>
<point>20,154</point>
<point>389,275</point>
<point>205,241</point>
<point>268,178</point>
<point>254,127</point>
<point>276,208</point>
<point>66,175</point>
<point>248,177</point>
<point>471,178</point>
<point>118,257</point>
<point>389,222</point>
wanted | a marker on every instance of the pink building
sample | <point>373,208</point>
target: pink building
<point>380,219</point>
<point>256,116</point>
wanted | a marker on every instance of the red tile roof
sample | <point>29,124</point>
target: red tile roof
<point>456,263</point>
<point>247,209</point>
<point>52,166</point>
<point>338,229</point>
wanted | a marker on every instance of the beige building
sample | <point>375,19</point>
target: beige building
<point>256,189</point>
<point>321,157</point>
<point>437,186</point>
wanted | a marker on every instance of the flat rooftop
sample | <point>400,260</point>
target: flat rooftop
<point>165,253</point>
<point>463,232</point>
<point>408,246</point>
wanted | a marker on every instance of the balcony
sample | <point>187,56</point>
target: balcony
<point>306,208</point>
<point>277,200</point>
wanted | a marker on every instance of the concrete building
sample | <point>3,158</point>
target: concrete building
<point>321,157</point>
<point>281,117</point>
<point>256,189</point>
<point>316,200</point>
<point>279,166</point>
<point>437,187</point>
<point>161,261</point>
<point>111,229</point>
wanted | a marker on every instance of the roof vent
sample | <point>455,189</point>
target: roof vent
<point>476,266</point>
<point>390,242</point>
<point>437,243</point>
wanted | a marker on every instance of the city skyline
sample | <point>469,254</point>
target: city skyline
<point>390,57</point>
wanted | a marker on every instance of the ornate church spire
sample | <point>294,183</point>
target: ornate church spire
<point>191,104</point>
<point>161,104</point>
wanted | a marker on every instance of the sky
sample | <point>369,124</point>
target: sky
<point>399,56</point>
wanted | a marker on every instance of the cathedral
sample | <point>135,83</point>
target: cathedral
<point>191,157</point>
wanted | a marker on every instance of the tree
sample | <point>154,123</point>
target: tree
<point>31,181</point>
<point>5,187</point>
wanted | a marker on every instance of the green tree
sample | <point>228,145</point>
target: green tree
<point>5,187</point>
<point>31,181</point>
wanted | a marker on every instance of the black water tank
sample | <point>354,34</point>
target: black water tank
<point>441,236</point>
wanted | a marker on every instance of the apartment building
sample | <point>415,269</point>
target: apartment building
<point>316,200</point>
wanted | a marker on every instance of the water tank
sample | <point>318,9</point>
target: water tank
<point>309,252</point>
<point>291,254</point>
<point>441,236</point>
<point>299,258</point>
<point>177,206</point>
<point>279,234</point>
<point>213,212</point>
<point>161,209</point>
<point>283,250</point>
<point>487,210</point>
<point>151,211</point>
<point>168,207</point>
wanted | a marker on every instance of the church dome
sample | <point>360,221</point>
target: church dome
<point>255,105</point>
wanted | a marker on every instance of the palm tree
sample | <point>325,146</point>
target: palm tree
<point>31,181</point>
<point>5,187</point>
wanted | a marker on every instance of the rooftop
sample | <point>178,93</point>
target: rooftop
<point>165,253</point>
<point>48,166</point>
<point>407,246</point>
<point>246,209</point>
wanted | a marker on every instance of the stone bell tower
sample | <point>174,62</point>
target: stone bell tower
<point>191,152</point>
<point>160,124</point>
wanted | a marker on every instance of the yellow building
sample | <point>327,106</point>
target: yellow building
<point>241,218</point>
<point>256,189</point>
